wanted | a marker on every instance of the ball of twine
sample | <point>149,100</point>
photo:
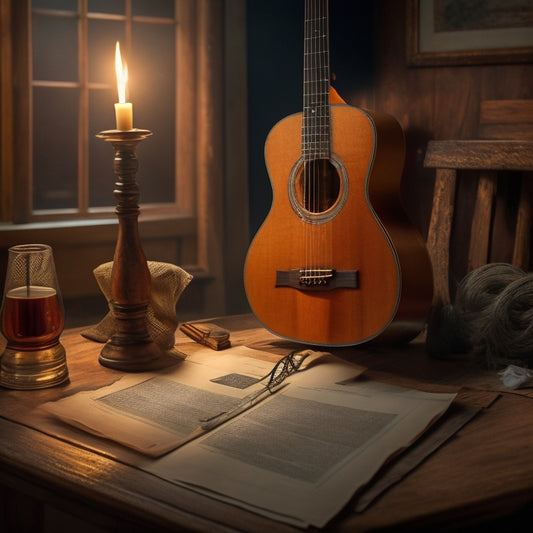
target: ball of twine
<point>475,299</point>
<point>508,333</point>
<point>492,316</point>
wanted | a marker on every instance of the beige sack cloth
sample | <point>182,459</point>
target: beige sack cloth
<point>168,281</point>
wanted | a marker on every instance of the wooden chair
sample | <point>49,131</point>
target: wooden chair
<point>489,158</point>
<point>504,149</point>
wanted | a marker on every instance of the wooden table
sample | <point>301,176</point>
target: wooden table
<point>482,475</point>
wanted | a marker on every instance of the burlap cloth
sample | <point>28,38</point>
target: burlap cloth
<point>168,282</point>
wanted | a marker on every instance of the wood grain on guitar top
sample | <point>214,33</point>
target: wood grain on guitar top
<point>363,231</point>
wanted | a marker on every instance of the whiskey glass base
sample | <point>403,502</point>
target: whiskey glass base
<point>35,369</point>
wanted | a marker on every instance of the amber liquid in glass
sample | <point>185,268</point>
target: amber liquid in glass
<point>32,318</point>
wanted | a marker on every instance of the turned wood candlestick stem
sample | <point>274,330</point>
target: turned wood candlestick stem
<point>130,348</point>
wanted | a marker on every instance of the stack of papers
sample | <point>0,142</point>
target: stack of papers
<point>296,452</point>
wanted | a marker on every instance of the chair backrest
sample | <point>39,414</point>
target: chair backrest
<point>501,160</point>
<point>490,158</point>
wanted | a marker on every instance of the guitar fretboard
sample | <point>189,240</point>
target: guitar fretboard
<point>316,117</point>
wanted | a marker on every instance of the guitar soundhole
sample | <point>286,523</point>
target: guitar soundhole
<point>318,189</point>
<point>317,186</point>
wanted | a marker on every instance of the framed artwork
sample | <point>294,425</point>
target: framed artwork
<point>469,32</point>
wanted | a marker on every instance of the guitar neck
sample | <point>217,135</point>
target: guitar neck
<point>316,137</point>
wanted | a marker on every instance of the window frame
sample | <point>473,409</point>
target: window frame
<point>22,177</point>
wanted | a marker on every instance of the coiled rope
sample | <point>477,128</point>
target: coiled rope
<point>492,316</point>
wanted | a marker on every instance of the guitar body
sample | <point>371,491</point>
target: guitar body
<point>352,269</point>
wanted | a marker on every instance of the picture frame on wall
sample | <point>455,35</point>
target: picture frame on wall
<point>465,32</point>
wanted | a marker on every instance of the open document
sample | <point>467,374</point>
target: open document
<point>295,449</point>
<point>302,455</point>
<point>154,413</point>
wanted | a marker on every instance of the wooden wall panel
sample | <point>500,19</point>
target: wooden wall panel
<point>437,103</point>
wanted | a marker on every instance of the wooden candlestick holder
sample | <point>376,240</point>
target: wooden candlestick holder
<point>131,347</point>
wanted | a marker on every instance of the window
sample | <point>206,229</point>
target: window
<point>187,66</point>
<point>72,88</point>
<point>62,58</point>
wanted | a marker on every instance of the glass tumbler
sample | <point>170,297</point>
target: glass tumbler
<point>32,321</point>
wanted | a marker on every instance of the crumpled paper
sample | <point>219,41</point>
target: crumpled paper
<point>515,377</point>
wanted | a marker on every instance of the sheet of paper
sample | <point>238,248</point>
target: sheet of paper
<point>299,456</point>
<point>427,444</point>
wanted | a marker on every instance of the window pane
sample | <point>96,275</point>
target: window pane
<point>116,7</point>
<point>101,153</point>
<point>152,90</point>
<point>153,8</point>
<point>103,34</point>
<point>55,139</point>
<point>64,5</point>
<point>55,48</point>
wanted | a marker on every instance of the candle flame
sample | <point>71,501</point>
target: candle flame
<point>122,75</point>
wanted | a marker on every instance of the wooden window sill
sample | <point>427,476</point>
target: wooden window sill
<point>94,231</point>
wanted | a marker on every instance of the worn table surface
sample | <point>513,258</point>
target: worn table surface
<point>483,474</point>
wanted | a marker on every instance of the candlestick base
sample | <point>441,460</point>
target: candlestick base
<point>134,357</point>
<point>131,348</point>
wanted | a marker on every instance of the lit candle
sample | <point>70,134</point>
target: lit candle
<point>123,110</point>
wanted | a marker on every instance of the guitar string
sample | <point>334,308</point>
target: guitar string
<point>316,128</point>
<point>324,127</point>
<point>325,130</point>
<point>307,126</point>
<point>318,125</point>
<point>313,124</point>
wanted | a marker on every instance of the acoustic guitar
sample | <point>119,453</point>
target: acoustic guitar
<point>336,261</point>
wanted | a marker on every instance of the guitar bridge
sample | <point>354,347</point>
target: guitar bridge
<point>317,279</point>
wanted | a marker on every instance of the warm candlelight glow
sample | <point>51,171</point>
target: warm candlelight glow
<point>123,109</point>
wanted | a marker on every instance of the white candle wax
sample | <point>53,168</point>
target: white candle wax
<point>124,116</point>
